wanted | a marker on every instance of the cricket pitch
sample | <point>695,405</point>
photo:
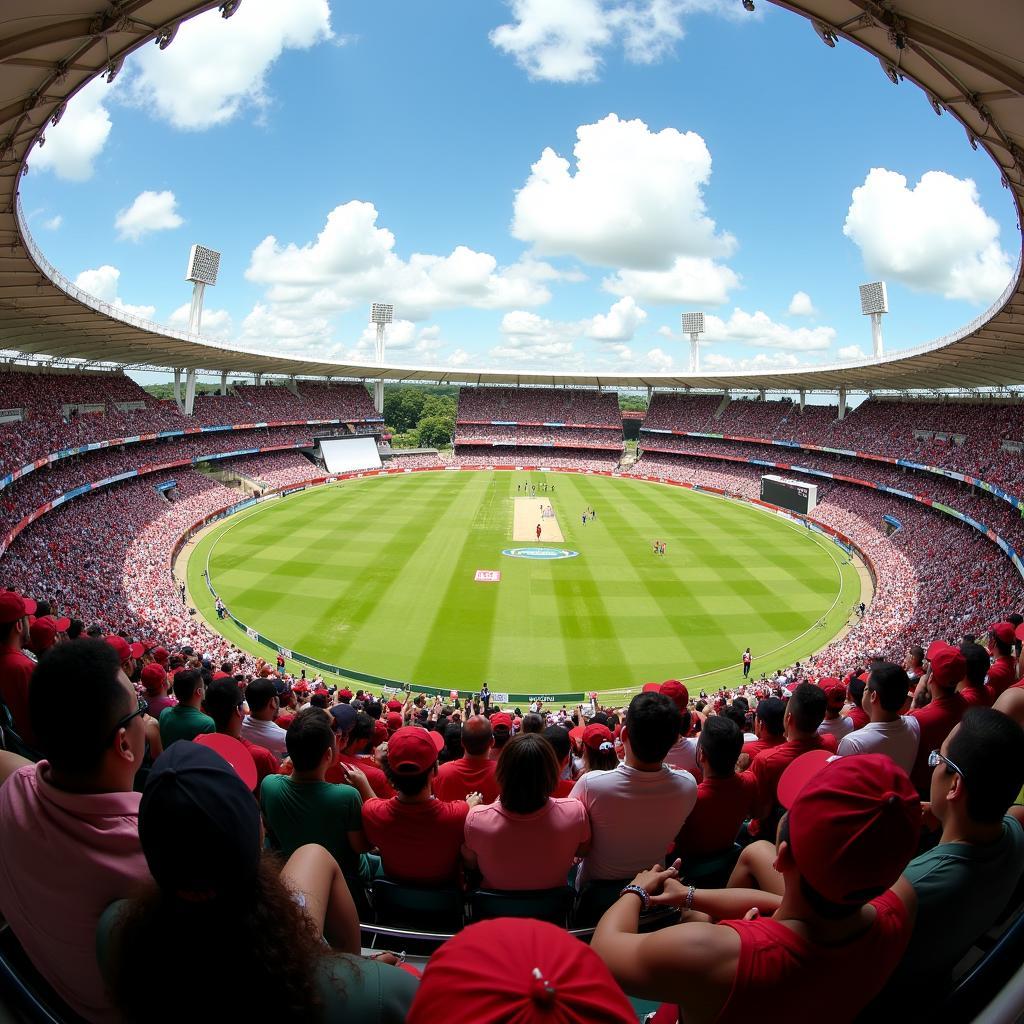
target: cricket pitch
<point>528,513</point>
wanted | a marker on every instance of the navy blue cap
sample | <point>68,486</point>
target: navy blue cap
<point>344,717</point>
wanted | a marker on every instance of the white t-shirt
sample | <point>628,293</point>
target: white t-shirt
<point>634,816</point>
<point>265,734</point>
<point>838,727</point>
<point>683,755</point>
<point>897,740</point>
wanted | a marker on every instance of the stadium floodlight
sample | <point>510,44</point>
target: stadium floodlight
<point>381,314</point>
<point>693,325</point>
<point>203,267</point>
<point>874,301</point>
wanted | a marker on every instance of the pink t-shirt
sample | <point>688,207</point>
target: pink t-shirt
<point>527,851</point>
<point>64,857</point>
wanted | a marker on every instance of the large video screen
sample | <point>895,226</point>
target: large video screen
<point>791,494</point>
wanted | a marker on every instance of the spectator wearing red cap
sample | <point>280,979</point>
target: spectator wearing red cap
<point>804,712</point>
<point>418,836</point>
<point>546,976</point>
<point>502,725</point>
<point>638,808</point>
<point>154,682</point>
<point>225,705</point>
<point>69,844</point>
<point>128,653</point>
<point>855,711</point>
<point>887,732</point>
<point>725,799</point>
<point>259,726</point>
<point>835,723</point>
<point>15,666</point>
<point>972,687</point>
<point>597,745</point>
<point>474,771</point>
<point>502,839</point>
<point>849,832</point>
<point>302,808</point>
<point>683,754</point>
<point>184,721</point>
<point>965,882</point>
<point>47,631</point>
<point>200,831</point>
<point>935,721</point>
<point>1003,673</point>
<point>288,704</point>
<point>769,727</point>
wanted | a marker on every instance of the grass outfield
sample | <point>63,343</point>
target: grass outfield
<point>378,575</point>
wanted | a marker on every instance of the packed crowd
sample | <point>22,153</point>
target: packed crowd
<point>788,830</point>
<point>272,470</point>
<point>519,435</point>
<point>539,406</point>
<point>554,458</point>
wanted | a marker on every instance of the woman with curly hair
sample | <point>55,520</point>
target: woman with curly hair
<point>289,937</point>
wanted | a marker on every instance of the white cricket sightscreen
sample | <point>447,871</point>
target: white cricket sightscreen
<point>351,453</point>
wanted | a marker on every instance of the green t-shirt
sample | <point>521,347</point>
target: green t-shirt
<point>298,813</point>
<point>183,722</point>
<point>961,890</point>
<point>351,988</point>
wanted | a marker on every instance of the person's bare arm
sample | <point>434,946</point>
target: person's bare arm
<point>1011,703</point>
<point>156,747</point>
<point>312,871</point>
<point>718,904</point>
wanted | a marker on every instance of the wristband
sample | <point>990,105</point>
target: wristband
<point>637,890</point>
<point>688,902</point>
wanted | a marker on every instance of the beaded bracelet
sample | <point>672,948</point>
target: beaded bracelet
<point>645,899</point>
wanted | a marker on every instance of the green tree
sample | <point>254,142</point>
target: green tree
<point>633,403</point>
<point>435,431</point>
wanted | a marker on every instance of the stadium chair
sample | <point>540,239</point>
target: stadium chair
<point>24,989</point>
<point>712,872</point>
<point>595,898</point>
<point>554,905</point>
<point>411,906</point>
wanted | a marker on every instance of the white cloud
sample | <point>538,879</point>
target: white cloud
<point>298,332</point>
<point>352,262</point>
<point>934,237</point>
<point>851,352</point>
<point>460,357</point>
<point>149,211</point>
<point>635,199</point>
<point>801,305</point>
<point>102,282</point>
<point>73,145</point>
<point>619,323</point>
<point>690,279</point>
<point>759,361</point>
<point>214,68</point>
<point>216,323</point>
<point>563,40</point>
<point>759,330</point>
<point>53,223</point>
<point>659,359</point>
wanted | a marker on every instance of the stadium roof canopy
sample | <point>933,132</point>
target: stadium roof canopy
<point>968,57</point>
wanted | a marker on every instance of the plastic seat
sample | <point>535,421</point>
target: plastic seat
<point>711,872</point>
<point>595,898</point>
<point>429,907</point>
<point>24,988</point>
<point>554,905</point>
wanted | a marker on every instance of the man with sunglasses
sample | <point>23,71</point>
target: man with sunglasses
<point>69,845</point>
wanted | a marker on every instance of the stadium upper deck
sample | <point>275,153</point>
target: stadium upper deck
<point>957,53</point>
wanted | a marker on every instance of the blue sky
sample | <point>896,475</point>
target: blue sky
<point>719,157</point>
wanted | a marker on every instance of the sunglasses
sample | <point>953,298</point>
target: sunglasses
<point>122,722</point>
<point>935,759</point>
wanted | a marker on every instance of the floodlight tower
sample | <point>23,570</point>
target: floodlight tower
<point>381,314</point>
<point>203,265</point>
<point>693,325</point>
<point>874,301</point>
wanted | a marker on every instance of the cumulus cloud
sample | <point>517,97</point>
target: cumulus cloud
<point>73,145</point>
<point>634,200</point>
<point>758,330</point>
<point>102,282</point>
<point>149,211</point>
<point>215,68</point>
<point>296,331</point>
<point>659,359</point>
<point>216,323</point>
<point>851,352</point>
<point>564,40</point>
<point>759,361</point>
<point>689,279</point>
<point>801,305</point>
<point>934,237</point>
<point>619,323</point>
<point>352,261</point>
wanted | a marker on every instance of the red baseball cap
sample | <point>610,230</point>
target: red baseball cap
<point>394,721</point>
<point>160,654</point>
<point>835,692</point>
<point>651,688</point>
<point>501,719</point>
<point>1005,632</point>
<point>948,664</point>
<point>125,650</point>
<point>301,686</point>
<point>411,751</point>
<point>596,736</point>
<point>547,976</point>
<point>153,675</point>
<point>393,705</point>
<point>345,692</point>
<point>13,606</point>
<point>380,733</point>
<point>853,825</point>
<point>676,692</point>
<point>234,752</point>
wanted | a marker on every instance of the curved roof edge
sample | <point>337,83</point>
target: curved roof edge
<point>957,57</point>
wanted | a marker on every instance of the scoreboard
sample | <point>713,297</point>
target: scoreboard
<point>791,494</point>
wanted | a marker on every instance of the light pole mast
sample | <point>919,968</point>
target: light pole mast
<point>381,314</point>
<point>203,265</point>
<point>693,325</point>
<point>874,301</point>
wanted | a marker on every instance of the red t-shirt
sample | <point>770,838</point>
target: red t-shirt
<point>979,696</point>
<point>419,843</point>
<point>780,974</point>
<point>936,721</point>
<point>754,747</point>
<point>563,789</point>
<point>377,779</point>
<point>15,672</point>
<point>266,763</point>
<point>767,769</point>
<point>858,715</point>
<point>722,807</point>
<point>1001,676</point>
<point>457,779</point>
<point>285,718</point>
